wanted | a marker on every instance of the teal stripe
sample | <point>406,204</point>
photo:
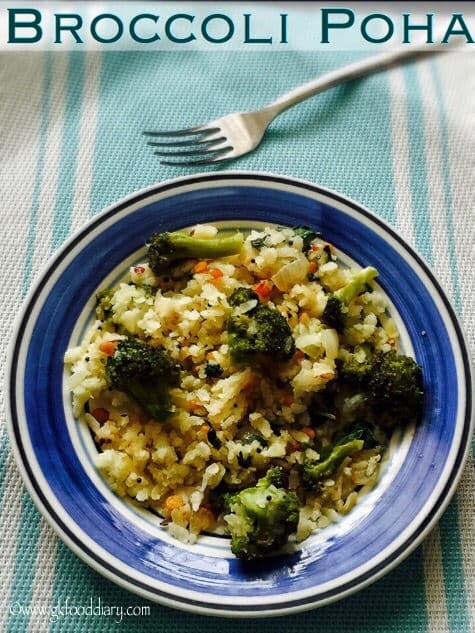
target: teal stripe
<point>417,165</point>
<point>449,211</point>
<point>454,581</point>
<point>25,563</point>
<point>69,148</point>
<point>340,139</point>
<point>381,607</point>
<point>449,527</point>
<point>449,217</point>
<point>4,455</point>
<point>27,547</point>
<point>33,223</point>
<point>87,586</point>
<point>26,550</point>
<point>453,566</point>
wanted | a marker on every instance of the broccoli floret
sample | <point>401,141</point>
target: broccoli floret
<point>104,304</point>
<point>261,331</point>
<point>261,519</point>
<point>395,388</point>
<point>314,471</point>
<point>391,384</point>
<point>213,370</point>
<point>145,373</point>
<point>166,248</point>
<point>306,234</point>
<point>385,389</point>
<point>334,314</point>
<point>242,295</point>
<point>354,372</point>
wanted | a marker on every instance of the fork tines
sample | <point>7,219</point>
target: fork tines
<point>204,141</point>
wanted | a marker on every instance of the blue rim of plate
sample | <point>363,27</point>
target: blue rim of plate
<point>325,570</point>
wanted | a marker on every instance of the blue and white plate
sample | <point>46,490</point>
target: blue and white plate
<point>128,545</point>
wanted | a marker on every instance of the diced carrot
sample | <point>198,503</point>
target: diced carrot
<point>206,518</point>
<point>196,407</point>
<point>304,317</point>
<point>293,448</point>
<point>309,431</point>
<point>215,273</point>
<point>200,267</point>
<point>101,414</point>
<point>210,356</point>
<point>263,289</point>
<point>391,342</point>
<point>173,502</point>
<point>287,399</point>
<point>108,347</point>
<point>315,247</point>
<point>204,429</point>
<point>202,520</point>
<point>312,267</point>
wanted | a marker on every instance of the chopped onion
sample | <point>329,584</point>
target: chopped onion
<point>310,344</point>
<point>291,274</point>
<point>247,306</point>
<point>330,342</point>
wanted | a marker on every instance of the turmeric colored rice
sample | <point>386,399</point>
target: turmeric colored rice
<point>227,429</point>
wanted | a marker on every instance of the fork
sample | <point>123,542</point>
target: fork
<point>238,133</point>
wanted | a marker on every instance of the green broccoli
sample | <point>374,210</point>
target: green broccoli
<point>353,371</point>
<point>306,234</point>
<point>145,373</point>
<point>261,519</point>
<point>395,388</point>
<point>334,314</point>
<point>391,384</point>
<point>314,471</point>
<point>104,304</point>
<point>263,331</point>
<point>166,248</point>
<point>242,295</point>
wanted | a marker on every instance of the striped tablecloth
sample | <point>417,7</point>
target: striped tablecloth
<point>402,143</point>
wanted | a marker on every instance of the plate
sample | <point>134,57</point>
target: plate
<point>127,544</point>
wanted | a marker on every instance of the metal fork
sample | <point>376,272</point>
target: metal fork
<point>238,133</point>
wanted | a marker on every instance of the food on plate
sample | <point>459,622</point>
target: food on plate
<point>244,384</point>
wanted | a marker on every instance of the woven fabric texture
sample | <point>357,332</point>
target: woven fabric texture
<point>402,143</point>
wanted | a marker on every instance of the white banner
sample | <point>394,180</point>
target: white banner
<point>185,26</point>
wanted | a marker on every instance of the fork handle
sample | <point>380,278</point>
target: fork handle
<point>361,68</point>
